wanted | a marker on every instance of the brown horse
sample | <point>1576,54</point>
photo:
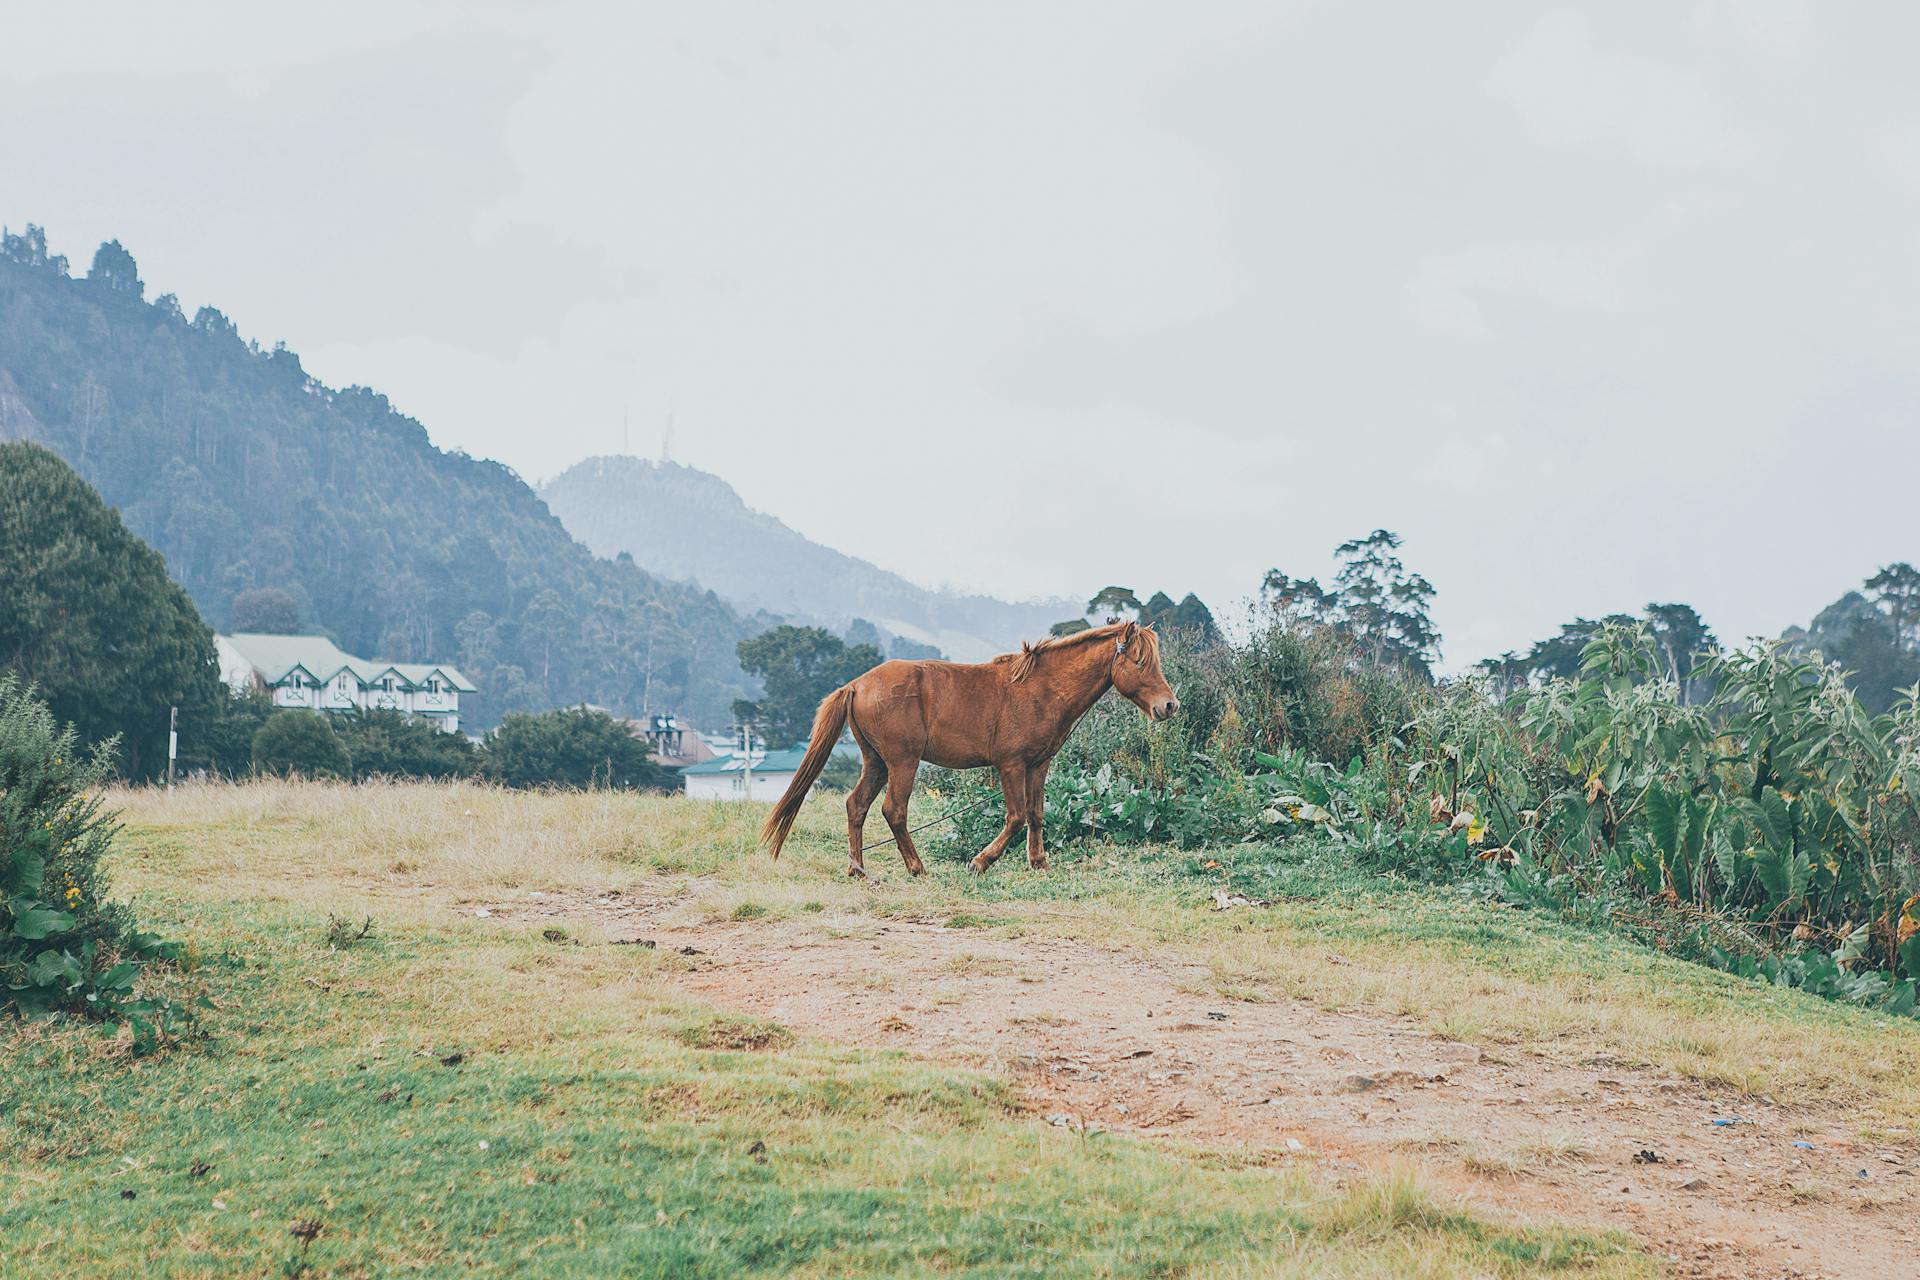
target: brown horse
<point>1012,713</point>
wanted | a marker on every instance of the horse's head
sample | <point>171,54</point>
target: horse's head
<point>1137,675</point>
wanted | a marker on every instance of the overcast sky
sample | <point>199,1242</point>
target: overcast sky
<point>1595,305</point>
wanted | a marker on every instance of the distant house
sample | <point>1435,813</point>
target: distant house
<point>672,743</point>
<point>310,671</point>
<point>726,778</point>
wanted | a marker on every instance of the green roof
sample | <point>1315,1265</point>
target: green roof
<point>787,761</point>
<point>275,658</point>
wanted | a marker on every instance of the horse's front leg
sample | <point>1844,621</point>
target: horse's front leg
<point>1013,789</point>
<point>1037,814</point>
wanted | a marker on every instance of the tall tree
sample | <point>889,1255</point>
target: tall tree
<point>1896,589</point>
<point>90,616</point>
<point>1681,639</point>
<point>799,666</point>
<point>267,610</point>
<point>114,268</point>
<point>1117,602</point>
<point>1387,609</point>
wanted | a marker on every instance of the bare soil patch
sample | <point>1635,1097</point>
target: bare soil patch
<point>1120,1041</point>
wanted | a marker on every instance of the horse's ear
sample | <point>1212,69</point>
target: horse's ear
<point>1127,633</point>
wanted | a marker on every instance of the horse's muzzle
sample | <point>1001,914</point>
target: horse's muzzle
<point>1166,710</point>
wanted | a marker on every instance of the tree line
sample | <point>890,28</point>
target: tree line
<point>104,639</point>
<point>248,475</point>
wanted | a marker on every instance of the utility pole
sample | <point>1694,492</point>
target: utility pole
<point>746,740</point>
<point>173,743</point>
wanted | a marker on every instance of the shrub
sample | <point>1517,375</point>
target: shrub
<point>302,743</point>
<point>64,944</point>
<point>219,739</point>
<point>578,747</point>
<point>385,743</point>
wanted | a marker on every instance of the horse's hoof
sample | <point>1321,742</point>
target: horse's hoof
<point>1037,866</point>
<point>917,869</point>
<point>858,873</point>
<point>978,867</point>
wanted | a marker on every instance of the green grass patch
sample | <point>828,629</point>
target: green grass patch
<point>973,920</point>
<point>447,1098</point>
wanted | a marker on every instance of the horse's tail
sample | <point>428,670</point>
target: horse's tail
<point>828,721</point>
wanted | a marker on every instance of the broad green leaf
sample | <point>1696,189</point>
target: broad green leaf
<point>1663,820</point>
<point>42,922</point>
<point>24,871</point>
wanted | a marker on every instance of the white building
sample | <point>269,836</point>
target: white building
<point>726,777</point>
<point>311,672</point>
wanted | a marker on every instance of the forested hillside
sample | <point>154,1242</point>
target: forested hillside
<point>244,472</point>
<point>691,525</point>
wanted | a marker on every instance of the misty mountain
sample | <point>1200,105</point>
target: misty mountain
<point>246,473</point>
<point>690,525</point>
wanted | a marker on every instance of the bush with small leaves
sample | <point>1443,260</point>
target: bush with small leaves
<point>302,744</point>
<point>65,946</point>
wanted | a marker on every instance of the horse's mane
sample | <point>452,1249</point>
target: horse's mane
<point>1145,644</point>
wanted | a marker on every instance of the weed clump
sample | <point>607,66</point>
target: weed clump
<point>343,933</point>
<point>748,1034</point>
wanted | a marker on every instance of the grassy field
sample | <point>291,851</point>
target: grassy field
<point>454,1096</point>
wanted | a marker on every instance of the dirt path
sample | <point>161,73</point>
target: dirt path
<point>1120,1041</point>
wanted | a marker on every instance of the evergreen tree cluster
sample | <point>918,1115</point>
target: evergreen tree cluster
<point>277,500</point>
<point>1190,617</point>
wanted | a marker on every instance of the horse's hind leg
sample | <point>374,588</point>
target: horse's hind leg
<point>873,776</point>
<point>1013,789</point>
<point>900,774</point>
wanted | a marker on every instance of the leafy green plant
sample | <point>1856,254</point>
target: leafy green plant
<point>385,743</point>
<point>342,932</point>
<point>1749,809</point>
<point>65,946</point>
<point>300,744</point>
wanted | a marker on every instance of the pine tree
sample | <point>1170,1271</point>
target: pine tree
<point>91,619</point>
